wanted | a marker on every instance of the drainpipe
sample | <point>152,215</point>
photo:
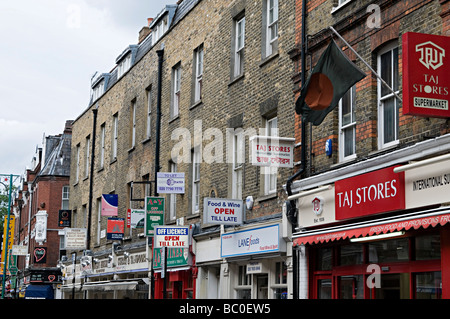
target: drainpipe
<point>290,205</point>
<point>160,54</point>
<point>91,178</point>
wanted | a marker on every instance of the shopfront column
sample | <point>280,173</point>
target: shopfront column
<point>445,261</point>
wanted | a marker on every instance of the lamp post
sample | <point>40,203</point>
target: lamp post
<point>5,263</point>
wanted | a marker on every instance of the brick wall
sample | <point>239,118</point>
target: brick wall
<point>266,85</point>
<point>396,18</point>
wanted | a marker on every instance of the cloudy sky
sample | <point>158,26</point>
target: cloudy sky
<point>49,50</point>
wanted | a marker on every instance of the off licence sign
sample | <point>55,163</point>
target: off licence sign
<point>172,236</point>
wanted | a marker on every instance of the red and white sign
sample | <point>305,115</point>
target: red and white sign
<point>372,193</point>
<point>271,151</point>
<point>426,74</point>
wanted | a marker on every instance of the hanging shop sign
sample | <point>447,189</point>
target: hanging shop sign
<point>170,183</point>
<point>271,151</point>
<point>372,193</point>
<point>64,218</point>
<point>426,74</point>
<point>41,227</point>
<point>110,204</point>
<point>253,241</point>
<point>40,255</point>
<point>75,238</point>
<point>19,250</point>
<point>172,236</point>
<point>115,228</point>
<point>135,218</point>
<point>222,211</point>
<point>154,214</point>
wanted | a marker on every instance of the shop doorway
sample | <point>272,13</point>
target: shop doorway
<point>262,282</point>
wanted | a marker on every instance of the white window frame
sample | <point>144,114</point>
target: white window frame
<point>348,126</point>
<point>98,90</point>
<point>270,173</point>
<point>176,91</point>
<point>124,65</point>
<point>238,164</point>
<point>383,99</point>
<point>115,132</point>
<point>149,113</point>
<point>198,74</point>
<point>195,180</point>
<point>77,173</point>
<point>239,46</point>
<point>65,194</point>
<point>99,220</point>
<point>87,156</point>
<point>102,145</point>
<point>272,25</point>
<point>160,29</point>
<point>133,124</point>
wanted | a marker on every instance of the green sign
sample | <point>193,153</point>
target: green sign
<point>176,257</point>
<point>154,214</point>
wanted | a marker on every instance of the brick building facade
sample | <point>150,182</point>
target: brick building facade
<point>369,133</point>
<point>44,191</point>
<point>225,75</point>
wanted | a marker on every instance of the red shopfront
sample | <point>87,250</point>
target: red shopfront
<point>181,274</point>
<point>394,244</point>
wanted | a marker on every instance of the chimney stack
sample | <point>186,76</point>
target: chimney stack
<point>145,31</point>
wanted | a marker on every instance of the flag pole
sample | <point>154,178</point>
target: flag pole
<point>370,68</point>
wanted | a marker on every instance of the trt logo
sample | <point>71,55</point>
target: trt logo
<point>431,55</point>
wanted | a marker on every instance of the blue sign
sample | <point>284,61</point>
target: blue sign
<point>329,147</point>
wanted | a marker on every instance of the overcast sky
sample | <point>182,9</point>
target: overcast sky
<point>49,50</point>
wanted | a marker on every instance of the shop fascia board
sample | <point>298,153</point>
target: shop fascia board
<point>415,152</point>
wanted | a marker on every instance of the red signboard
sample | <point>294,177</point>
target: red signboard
<point>426,74</point>
<point>371,193</point>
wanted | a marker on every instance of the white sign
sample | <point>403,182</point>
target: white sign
<point>19,250</point>
<point>75,238</point>
<point>170,183</point>
<point>137,218</point>
<point>41,227</point>
<point>253,241</point>
<point>427,185</point>
<point>255,268</point>
<point>222,211</point>
<point>272,151</point>
<point>172,236</point>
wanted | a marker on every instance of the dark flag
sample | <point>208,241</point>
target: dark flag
<point>330,79</point>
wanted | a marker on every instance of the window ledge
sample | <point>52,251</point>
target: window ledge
<point>269,58</point>
<point>148,139</point>
<point>173,119</point>
<point>236,79</point>
<point>335,9</point>
<point>193,106</point>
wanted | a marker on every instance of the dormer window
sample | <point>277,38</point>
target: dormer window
<point>159,29</point>
<point>98,90</point>
<point>124,65</point>
<point>126,60</point>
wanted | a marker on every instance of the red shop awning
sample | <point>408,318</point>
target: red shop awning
<point>382,226</point>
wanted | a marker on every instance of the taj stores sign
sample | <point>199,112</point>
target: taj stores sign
<point>426,75</point>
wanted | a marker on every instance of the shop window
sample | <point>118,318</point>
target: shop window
<point>324,259</point>
<point>393,286</point>
<point>351,287</point>
<point>280,286</point>
<point>389,251</point>
<point>428,285</point>
<point>428,247</point>
<point>351,255</point>
<point>324,289</point>
<point>243,288</point>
